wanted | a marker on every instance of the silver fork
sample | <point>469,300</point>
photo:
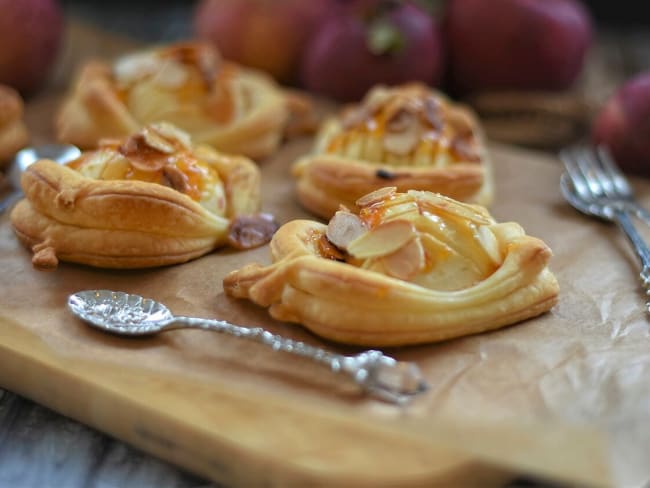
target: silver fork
<point>594,185</point>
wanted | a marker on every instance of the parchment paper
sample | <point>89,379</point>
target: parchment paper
<point>584,364</point>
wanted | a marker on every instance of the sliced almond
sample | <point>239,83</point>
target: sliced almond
<point>376,196</point>
<point>384,239</point>
<point>250,231</point>
<point>172,133</point>
<point>401,120</point>
<point>155,140</point>
<point>436,202</point>
<point>490,243</point>
<point>343,228</point>
<point>134,149</point>
<point>465,148</point>
<point>433,113</point>
<point>406,262</point>
<point>176,179</point>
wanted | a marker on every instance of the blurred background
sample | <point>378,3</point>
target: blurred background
<point>153,20</point>
<point>551,106</point>
<point>539,73</point>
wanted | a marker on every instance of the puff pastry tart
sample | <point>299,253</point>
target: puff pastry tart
<point>13,132</point>
<point>409,268</point>
<point>151,199</point>
<point>234,109</point>
<point>407,136</point>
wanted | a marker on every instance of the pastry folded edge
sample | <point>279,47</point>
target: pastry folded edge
<point>93,111</point>
<point>327,181</point>
<point>124,224</point>
<point>347,304</point>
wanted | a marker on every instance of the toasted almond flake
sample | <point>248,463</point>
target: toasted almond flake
<point>376,196</point>
<point>343,228</point>
<point>384,239</point>
<point>172,133</point>
<point>176,179</point>
<point>489,242</point>
<point>433,113</point>
<point>436,202</point>
<point>154,140</point>
<point>401,120</point>
<point>406,262</point>
<point>250,231</point>
<point>465,148</point>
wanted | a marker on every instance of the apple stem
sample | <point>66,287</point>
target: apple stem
<point>384,38</point>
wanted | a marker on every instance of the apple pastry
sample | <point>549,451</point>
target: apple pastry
<point>408,268</point>
<point>13,132</point>
<point>232,108</point>
<point>407,136</point>
<point>150,199</point>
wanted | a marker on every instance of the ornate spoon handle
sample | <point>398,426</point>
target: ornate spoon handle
<point>378,374</point>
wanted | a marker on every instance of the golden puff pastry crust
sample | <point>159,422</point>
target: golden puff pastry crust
<point>409,268</point>
<point>407,136</point>
<point>234,109</point>
<point>13,132</point>
<point>150,199</point>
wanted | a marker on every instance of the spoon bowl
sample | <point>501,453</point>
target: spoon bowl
<point>59,153</point>
<point>119,312</point>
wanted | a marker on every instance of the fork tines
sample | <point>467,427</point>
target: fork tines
<point>593,172</point>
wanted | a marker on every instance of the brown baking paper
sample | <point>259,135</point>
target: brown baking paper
<point>583,367</point>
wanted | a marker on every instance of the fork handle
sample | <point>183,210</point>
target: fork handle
<point>625,223</point>
<point>642,213</point>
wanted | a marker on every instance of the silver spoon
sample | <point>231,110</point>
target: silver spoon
<point>60,153</point>
<point>132,315</point>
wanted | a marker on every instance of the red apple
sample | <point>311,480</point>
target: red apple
<point>365,42</point>
<point>516,44</point>
<point>264,34</point>
<point>30,36</point>
<point>623,124</point>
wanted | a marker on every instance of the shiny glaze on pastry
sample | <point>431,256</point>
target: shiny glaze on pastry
<point>407,136</point>
<point>13,132</point>
<point>409,268</point>
<point>150,199</point>
<point>232,108</point>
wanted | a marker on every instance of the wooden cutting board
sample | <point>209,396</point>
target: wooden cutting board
<point>243,415</point>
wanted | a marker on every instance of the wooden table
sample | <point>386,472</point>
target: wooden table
<point>39,447</point>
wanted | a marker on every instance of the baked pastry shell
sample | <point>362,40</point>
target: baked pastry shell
<point>123,223</point>
<point>327,181</point>
<point>93,111</point>
<point>351,305</point>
